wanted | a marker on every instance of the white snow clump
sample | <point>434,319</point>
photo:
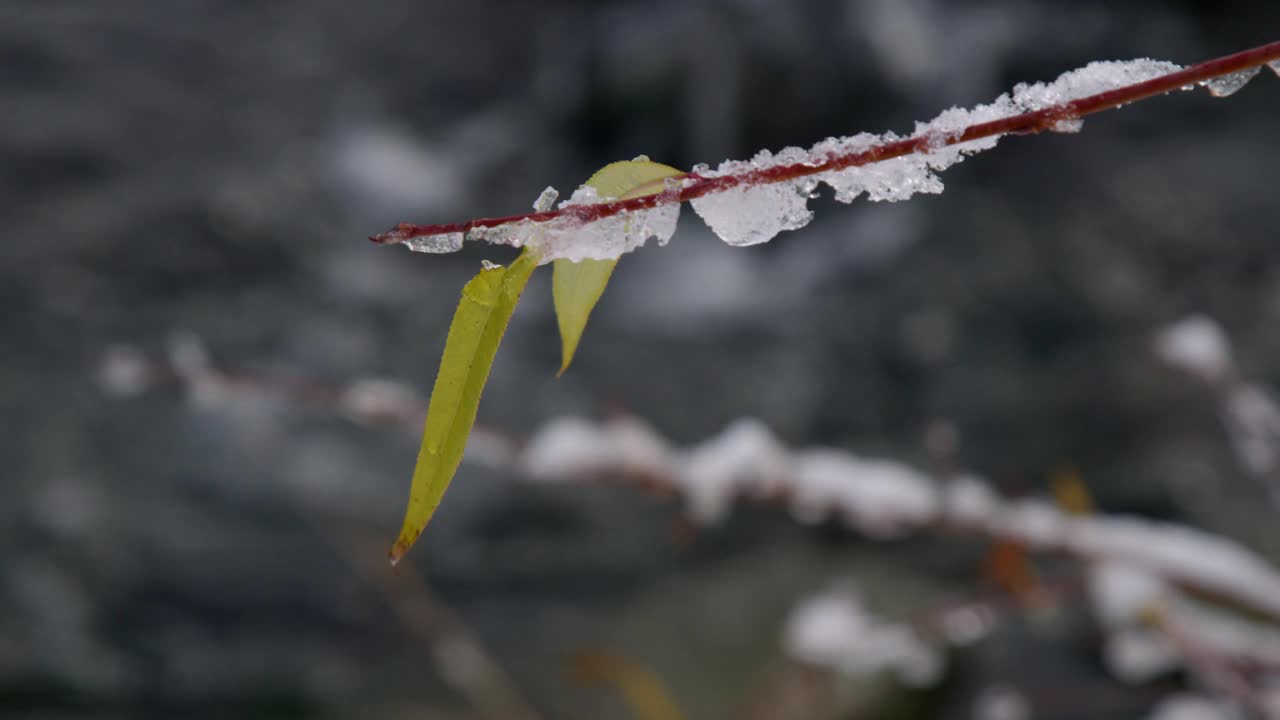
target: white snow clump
<point>834,630</point>
<point>1196,344</point>
<point>755,214</point>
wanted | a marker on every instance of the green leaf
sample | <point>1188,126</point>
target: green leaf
<point>478,325</point>
<point>576,287</point>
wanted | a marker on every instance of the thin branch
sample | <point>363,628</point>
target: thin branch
<point>1026,123</point>
<point>626,452</point>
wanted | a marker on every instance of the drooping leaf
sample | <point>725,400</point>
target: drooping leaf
<point>577,286</point>
<point>478,325</point>
<point>474,335</point>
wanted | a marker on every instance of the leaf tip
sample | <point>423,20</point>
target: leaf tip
<point>564,364</point>
<point>401,548</point>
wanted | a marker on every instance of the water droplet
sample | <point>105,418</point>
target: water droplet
<point>442,243</point>
<point>1225,85</point>
<point>1068,125</point>
<point>486,265</point>
<point>640,158</point>
<point>701,169</point>
<point>546,200</point>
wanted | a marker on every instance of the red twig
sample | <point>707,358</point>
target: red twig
<point>1022,124</point>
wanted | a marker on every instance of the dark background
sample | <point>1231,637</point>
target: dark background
<point>210,168</point>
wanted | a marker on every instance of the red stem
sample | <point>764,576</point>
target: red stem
<point>1022,124</point>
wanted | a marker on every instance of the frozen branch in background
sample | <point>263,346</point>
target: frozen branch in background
<point>1139,568</point>
<point>1151,630</point>
<point>876,497</point>
<point>1167,596</point>
<point>884,498</point>
<point>124,371</point>
<point>749,202</point>
<point>1250,414</point>
<point>457,655</point>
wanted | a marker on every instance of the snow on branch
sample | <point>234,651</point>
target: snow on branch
<point>834,629</point>
<point>1250,414</point>
<point>880,498</point>
<point>1166,596</point>
<point>1149,631</point>
<point>749,202</point>
<point>886,499</point>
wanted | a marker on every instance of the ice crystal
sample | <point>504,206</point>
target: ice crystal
<point>547,199</point>
<point>442,243</point>
<point>1094,78</point>
<point>1225,85</point>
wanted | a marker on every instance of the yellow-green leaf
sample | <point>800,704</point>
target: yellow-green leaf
<point>577,286</point>
<point>477,328</point>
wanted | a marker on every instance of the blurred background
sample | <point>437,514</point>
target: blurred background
<point>196,504</point>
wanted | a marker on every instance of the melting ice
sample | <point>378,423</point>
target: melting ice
<point>442,243</point>
<point>1225,85</point>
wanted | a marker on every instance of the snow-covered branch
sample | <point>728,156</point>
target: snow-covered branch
<point>885,498</point>
<point>880,498</point>
<point>749,202</point>
<point>1166,596</point>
